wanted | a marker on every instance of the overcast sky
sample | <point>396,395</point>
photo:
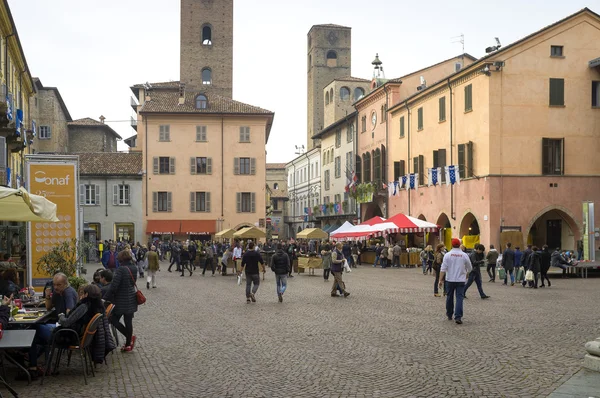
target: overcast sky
<point>94,50</point>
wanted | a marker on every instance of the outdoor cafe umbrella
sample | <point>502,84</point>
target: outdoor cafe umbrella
<point>20,205</point>
<point>312,233</point>
<point>249,233</point>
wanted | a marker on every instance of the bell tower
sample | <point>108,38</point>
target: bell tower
<point>329,53</point>
<point>206,54</point>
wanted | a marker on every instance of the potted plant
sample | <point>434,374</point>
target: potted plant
<point>64,257</point>
<point>316,210</point>
<point>345,206</point>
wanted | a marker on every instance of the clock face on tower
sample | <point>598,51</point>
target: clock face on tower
<point>374,118</point>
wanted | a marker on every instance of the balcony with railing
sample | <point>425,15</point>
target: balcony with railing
<point>134,123</point>
<point>134,104</point>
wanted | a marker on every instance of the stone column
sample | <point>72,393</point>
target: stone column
<point>591,360</point>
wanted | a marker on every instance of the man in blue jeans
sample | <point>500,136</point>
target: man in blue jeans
<point>455,267</point>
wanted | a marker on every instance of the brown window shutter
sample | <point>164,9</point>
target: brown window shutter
<point>208,165</point>
<point>253,166</point>
<point>193,166</point>
<point>402,168</point>
<point>154,202</point>
<point>442,163</point>
<point>421,170</point>
<point>155,165</point>
<point>461,160</point>
<point>396,171</point>
<point>207,202</point>
<point>169,208</point>
<point>239,202</point>
<point>471,165</point>
<point>171,165</point>
<point>253,202</point>
<point>435,159</point>
<point>236,166</point>
<point>546,156</point>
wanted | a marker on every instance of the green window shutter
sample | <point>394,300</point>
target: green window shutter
<point>253,202</point>
<point>193,202</point>
<point>557,92</point>
<point>154,202</point>
<point>420,118</point>
<point>193,166</point>
<point>402,127</point>
<point>402,168</point>
<point>238,202</point>
<point>461,160</point>
<point>435,159</point>
<point>169,208</point>
<point>207,202</point>
<point>468,97</point>
<point>208,165</point>
<point>442,109</point>
<point>171,165</point>
<point>115,195</point>
<point>236,166</point>
<point>442,163</point>
<point>253,166</point>
<point>155,165</point>
<point>421,170</point>
<point>471,166</point>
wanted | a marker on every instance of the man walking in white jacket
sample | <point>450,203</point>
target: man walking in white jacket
<point>455,267</point>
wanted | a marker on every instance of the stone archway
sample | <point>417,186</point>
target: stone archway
<point>422,217</point>
<point>555,226</point>
<point>443,222</point>
<point>469,225</point>
<point>242,225</point>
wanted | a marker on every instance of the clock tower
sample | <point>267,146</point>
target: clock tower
<point>329,58</point>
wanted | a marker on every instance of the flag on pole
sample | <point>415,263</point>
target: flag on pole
<point>434,176</point>
<point>452,174</point>
<point>396,183</point>
<point>412,179</point>
<point>404,180</point>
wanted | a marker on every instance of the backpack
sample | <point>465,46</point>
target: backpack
<point>423,255</point>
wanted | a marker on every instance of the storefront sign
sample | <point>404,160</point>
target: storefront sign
<point>56,179</point>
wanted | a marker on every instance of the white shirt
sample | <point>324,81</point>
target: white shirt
<point>237,252</point>
<point>456,265</point>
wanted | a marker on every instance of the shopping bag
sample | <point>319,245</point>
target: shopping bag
<point>520,274</point>
<point>346,267</point>
<point>501,273</point>
<point>529,276</point>
<point>239,279</point>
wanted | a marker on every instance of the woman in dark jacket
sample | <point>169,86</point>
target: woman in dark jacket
<point>89,305</point>
<point>122,294</point>
<point>12,279</point>
<point>185,260</point>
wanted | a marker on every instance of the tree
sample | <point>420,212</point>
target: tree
<point>63,257</point>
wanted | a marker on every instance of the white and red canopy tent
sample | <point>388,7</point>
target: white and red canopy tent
<point>378,226</point>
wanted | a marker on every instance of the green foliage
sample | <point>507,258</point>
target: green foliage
<point>63,257</point>
<point>77,281</point>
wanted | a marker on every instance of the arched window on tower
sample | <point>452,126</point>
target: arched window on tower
<point>206,76</point>
<point>327,98</point>
<point>206,35</point>
<point>201,102</point>
<point>358,93</point>
<point>331,95</point>
<point>344,94</point>
<point>331,59</point>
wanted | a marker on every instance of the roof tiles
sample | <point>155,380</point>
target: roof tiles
<point>110,163</point>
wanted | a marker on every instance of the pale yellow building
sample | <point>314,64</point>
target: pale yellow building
<point>523,126</point>
<point>204,153</point>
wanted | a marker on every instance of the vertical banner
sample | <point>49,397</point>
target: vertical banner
<point>56,179</point>
<point>589,252</point>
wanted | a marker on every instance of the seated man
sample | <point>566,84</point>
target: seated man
<point>106,278</point>
<point>63,299</point>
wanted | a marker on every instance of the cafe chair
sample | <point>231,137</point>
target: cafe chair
<point>82,345</point>
<point>109,310</point>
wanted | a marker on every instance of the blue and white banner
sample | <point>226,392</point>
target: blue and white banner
<point>34,128</point>
<point>452,175</point>
<point>414,181</point>
<point>434,176</point>
<point>404,180</point>
<point>396,183</point>
<point>19,122</point>
<point>8,177</point>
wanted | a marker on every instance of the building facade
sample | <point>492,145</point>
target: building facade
<point>89,135</point>
<point>328,58</point>
<point>50,115</point>
<point>304,191</point>
<point>277,197</point>
<point>522,128</point>
<point>375,133</point>
<point>110,193</point>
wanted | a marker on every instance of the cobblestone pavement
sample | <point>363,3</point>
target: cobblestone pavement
<point>197,337</point>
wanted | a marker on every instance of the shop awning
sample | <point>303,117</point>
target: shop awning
<point>198,227</point>
<point>163,227</point>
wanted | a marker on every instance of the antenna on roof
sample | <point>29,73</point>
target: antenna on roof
<point>461,39</point>
<point>147,86</point>
<point>423,83</point>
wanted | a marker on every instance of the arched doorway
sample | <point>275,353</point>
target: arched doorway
<point>554,227</point>
<point>373,210</point>
<point>469,225</point>
<point>445,235</point>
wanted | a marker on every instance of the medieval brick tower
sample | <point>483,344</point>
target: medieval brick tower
<point>206,55</point>
<point>329,58</point>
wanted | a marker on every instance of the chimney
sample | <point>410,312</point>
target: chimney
<point>181,93</point>
<point>102,119</point>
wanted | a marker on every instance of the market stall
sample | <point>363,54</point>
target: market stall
<point>225,234</point>
<point>312,233</point>
<point>249,233</point>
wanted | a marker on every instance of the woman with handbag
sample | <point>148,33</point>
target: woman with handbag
<point>123,294</point>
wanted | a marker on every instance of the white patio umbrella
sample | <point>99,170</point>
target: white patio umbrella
<point>20,205</point>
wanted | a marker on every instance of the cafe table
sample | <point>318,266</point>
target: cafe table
<point>14,340</point>
<point>31,317</point>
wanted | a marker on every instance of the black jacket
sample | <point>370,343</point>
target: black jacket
<point>558,259</point>
<point>250,261</point>
<point>280,263</point>
<point>525,258</point>
<point>535,262</point>
<point>122,291</point>
<point>477,260</point>
<point>508,259</point>
<point>545,258</point>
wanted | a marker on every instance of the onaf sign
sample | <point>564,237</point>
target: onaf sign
<point>57,182</point>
